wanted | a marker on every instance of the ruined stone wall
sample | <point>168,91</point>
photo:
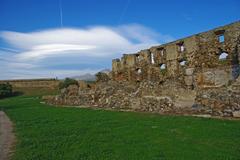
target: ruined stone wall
<point>33,83</point>
<point>178,59</point>
<point>194,75</point>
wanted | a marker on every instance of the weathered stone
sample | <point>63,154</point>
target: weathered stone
<point>236,114</point>
<point>188,80</point>
<point>157,80</point>
<point>189,71</point>
<point>33,83</point>
<point>209,78</point>
<point>221,77</point>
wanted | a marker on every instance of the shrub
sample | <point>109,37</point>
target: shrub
<point>5,90</point>
<point>102,77</point>
<point>67,82</point>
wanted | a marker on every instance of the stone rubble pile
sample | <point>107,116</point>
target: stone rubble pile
<point>224,101</point>
<point>151,97</point>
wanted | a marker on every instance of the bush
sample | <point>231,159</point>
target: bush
<point>102,77</point>
<point>5,90</point>
<point>67,82</point>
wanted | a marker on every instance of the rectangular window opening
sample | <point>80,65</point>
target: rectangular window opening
<point>161,49</point>
<point>152,58</point>
<point>221,38</point>
<point>181,47</point>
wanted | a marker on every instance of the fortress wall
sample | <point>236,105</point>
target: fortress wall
<point>192,54</point>
<point>33,83</point>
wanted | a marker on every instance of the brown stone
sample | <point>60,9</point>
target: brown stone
<point>236,114</point>
<point>188,80</point>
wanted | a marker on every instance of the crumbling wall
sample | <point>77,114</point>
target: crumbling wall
<point>195,75</point>
<point>220,101</point>
<point>198,52</point>
<point>33,83</point>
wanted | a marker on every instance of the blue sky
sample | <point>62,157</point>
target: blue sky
<point>34,43</point>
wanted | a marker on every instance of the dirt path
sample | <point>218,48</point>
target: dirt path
<point>7,137</point>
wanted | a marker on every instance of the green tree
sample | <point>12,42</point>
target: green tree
<point>5,90</point>
<point>67,82</point>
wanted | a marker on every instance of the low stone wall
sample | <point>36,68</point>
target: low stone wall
<point>224,101</point>
<point>156,104</point>
<point>33,83</point>
<point>168,97</point>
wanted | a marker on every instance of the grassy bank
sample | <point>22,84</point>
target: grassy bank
<point>46,132</point>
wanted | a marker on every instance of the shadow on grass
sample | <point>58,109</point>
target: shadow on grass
<point>8,98</point>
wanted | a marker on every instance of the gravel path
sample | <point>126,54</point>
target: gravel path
<point>7,137</point>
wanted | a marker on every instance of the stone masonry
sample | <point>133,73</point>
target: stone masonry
<point>33,83</point>
<point>194,75</point>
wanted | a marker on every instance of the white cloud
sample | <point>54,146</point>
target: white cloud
<point>40,50</point>
<point>43,51</point>
<point>142,34</point>
<point>95,41</point>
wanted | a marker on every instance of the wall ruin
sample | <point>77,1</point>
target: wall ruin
<point>195,55</point>
<point>196,75</point>
<point>33,83</point>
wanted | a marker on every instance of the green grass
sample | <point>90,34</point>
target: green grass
<point>45,132</point>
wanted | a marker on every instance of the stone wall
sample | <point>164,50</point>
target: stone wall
<point>198,52</point>
<point>194,75</point>
<point>33,83</point>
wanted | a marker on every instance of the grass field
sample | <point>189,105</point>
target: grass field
<point>51,133</point>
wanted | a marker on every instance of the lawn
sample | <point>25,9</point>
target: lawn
<point>54,133</point>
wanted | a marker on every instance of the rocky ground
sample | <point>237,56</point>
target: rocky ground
<point>170,97</point>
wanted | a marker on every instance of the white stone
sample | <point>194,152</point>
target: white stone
<point>236,114</point>
<point>189,71</point>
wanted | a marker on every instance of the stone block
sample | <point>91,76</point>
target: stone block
<point>208,77</point>
<point>188,80</point>
<point>189,71</point>
<point>236,114</point>
<point>221,77</point>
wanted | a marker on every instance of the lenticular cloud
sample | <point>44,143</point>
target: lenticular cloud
<point>94,41</point>
<point>53,47</point>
